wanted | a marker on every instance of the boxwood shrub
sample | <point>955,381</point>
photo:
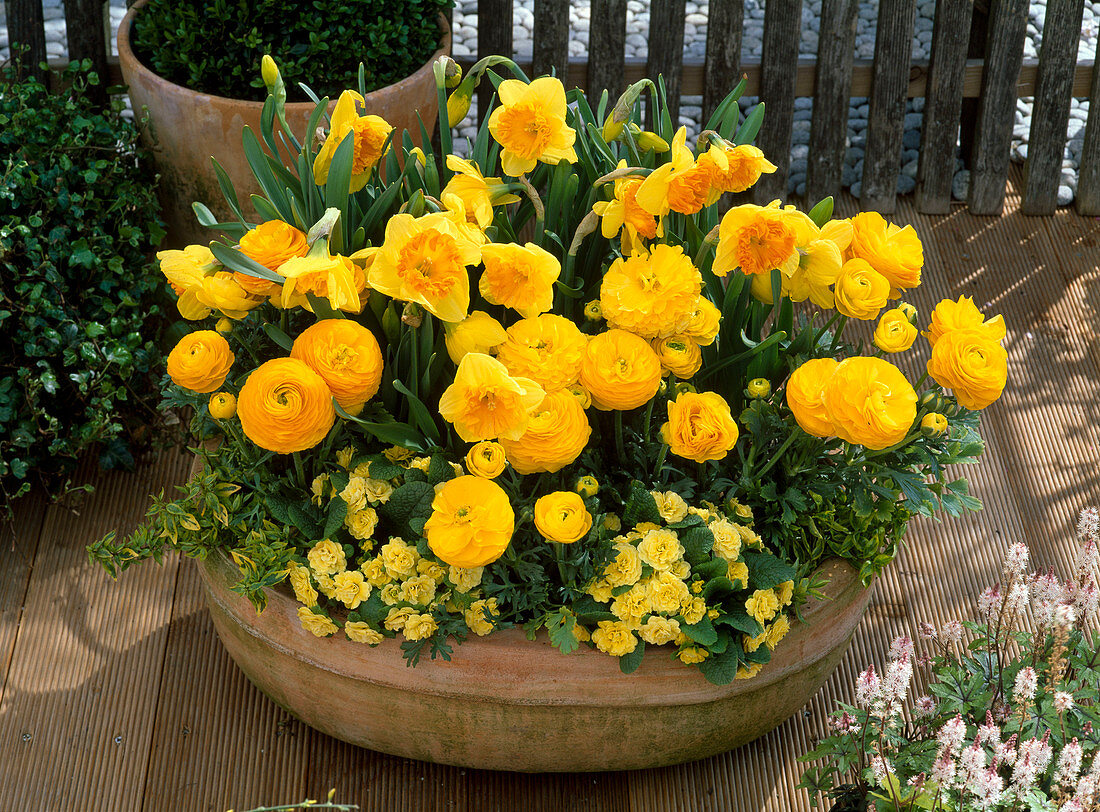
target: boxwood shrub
<point>79,298</point>
<point>320,42</point>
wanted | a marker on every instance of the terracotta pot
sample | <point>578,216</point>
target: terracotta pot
<point>506,703</point>
<point>186,128</point>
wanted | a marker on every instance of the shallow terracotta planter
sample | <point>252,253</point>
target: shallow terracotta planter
<point>186,128</point>
<point>506,703</point>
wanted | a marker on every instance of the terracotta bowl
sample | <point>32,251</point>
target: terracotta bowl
<point>185,128</point>
<point>506,703</point>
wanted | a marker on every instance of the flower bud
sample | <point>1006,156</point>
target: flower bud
<point>452,73</point>
<point>224,326</point>
<point>909,311</point>
<point>587,486</point>
<point>223,405</point>
<point>458,104</point>
<point>412,315</point>
<point>759,388</point>
<point>269,71</point>
<point>612,129</point>
<point>683,386</point>
<point>933,424</point>
<point>651,142</point>
<point>593,311</point>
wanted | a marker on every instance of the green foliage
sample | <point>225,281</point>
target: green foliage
<point>322,41</point>
<point>78,296</point>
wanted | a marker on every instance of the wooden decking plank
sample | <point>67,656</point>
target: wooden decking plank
<point>1088,178</point>
<point>18,543</point>
<point>218,742</point>
<point>76,717</point>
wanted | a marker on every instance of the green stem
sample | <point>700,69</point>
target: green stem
<point>701,254</point>
<point>660,461</point>
<point>559,558</point>
<point>445,145</point>
<point>823,330</point>
<point>836,336</point>
<point>648,417</point>
<point>299,469</point>
<point>775,457</point>
<point>620,447</point>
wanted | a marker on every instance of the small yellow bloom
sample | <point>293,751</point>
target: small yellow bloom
<point>657,631</point>
<point>465,578</point>
<point>933,424</point>
<point>344,457</point>
<point>562,517</point>
<point>777,631</point>
<point>360,632</point>
<point>660,549</point>
<point>762,605</point>
<point>269,70</point>
<point>679,355</point>
<point>479,617</point>
<point>398,558</point>
<point>471,523</point>
<point>223,405</point>
<point>626,568</point>
<point>375,572</point>
<point>693,655</point>
<point>418,590</point>
<point>317,625</point>
<point>362,523</point>
<point>963,315</point>
<point>670,505</point>
<point>614,638</point>
<point>727,539</point>
<point>750,671</point>
<point>224,326</point>
<point>200,361</point>
<point>327,558</point>
<point>665,593</point>
<point>350,588</point>
<point>738,573</point>
<point>530,125</point>
<point>300,583</point>
<point>700,427</point>
<point>486,459</point>
<point>895,332</point>
<point>369,133</point>
<point>420,627</point>
<point>478,332</point>
<point>759,388</point>
<point>587,486</point>
<point>486,403</point>
<point>397,617</point>
<point>705,322</point>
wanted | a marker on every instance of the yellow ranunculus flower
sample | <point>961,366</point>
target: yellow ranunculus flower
<point>317,625</point>
<point>424,260</point>
<point>530,125</point>
<point>547,349</point>
<point>700,427</point>
<point>223,405</point>
<point>678,185</point>
<point>654,295</point>
<point>557,432</point>
<point>346,354</point>
<point>562,517</point>
<point>679,355</point>
<point>478,193</point>
<point>521,277</point>
<point>200,361</point>
<point>623,215</point>
<point>471,522</point>
<point>705,322</point>
<point>869,402</point>
<point>370,134</point>
<point>895,333</point>
<point>861,292</point>
<point>285,406</point>
<point>270,244</point>
<point>963,315</point>
<point>620,370</point>
<point>893,251</point>
<point>614,638</point>
<point>759,239</point>
<point>972,364</point>
<point>587,486</point>
<point>486,459</point>
<point>359,631</point>
<point>478,332</point>
<point>486,403</point>
<point>804,396</point>
<point>933,424</point>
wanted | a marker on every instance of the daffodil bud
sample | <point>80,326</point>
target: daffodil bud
<point>759,388</point>
<point>651,142</point>
<point>612,129</point>
<point>452,73</point>
<point>458,104</point>
<point>269,71</point>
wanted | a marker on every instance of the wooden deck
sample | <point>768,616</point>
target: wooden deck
<point>118,696</point>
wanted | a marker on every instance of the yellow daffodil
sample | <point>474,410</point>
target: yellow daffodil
<point>678,185</point>
<point>478,193</point>
<point>530,125</point>
<point>486,403</point>
<point>424,260</point>
<point>326,276</point>
<point>623,215</point>
<point>733,168</point>
<point>370,134</point>
<point>478,332</point>
<point>759,239</point>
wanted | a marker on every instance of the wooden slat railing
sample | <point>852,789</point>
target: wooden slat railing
<point>780,76</point>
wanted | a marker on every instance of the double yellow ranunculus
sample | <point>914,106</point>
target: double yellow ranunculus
<point>562,517</point>
<point>200,361</point>
<point>471,523</point>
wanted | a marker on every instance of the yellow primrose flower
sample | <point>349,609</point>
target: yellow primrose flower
<point>547,349</point>
<point>478,332</point>
<point>693,655</point>
<point>530,125</point>
<point>350,588</point>
<point>626,568</point>
<point>478,193</point>
<point>614,638</point>
<point>360,632</point>
<point>670,505</point>
<point>424,260</point>
<point>486,403</point>
<point>679,185</point>
<point>759,239</point>
<point>653,295</point>
<point>660,549</point>
<point>465,578</point>
<point>479,617</point>
<point>893,251</point>
<point>370,134</point>
<point>521,277</point>
<point>657,631</point>
<point>624,216</point>
<point>317,625</point>
<point>762,605</point>
<point>300,583</point>
<point>471,523</point>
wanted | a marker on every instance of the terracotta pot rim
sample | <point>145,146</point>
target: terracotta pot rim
<point>672,683</point>
<point>127,55</point>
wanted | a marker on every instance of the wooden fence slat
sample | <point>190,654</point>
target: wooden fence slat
<point>26,26</point>
<point>943,105</point>
<point>782,25</point>
<point>84,30</point>
<point>494,36</point>
<point>606,50</point>
<point>1050,116</point>
<point>720,69</point>
<point>1088,177</point>
<point>832,92</point>
<point>1004,56</point>
<point>551,50</point>
<point>666,52</point>
<point>886,119</point>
